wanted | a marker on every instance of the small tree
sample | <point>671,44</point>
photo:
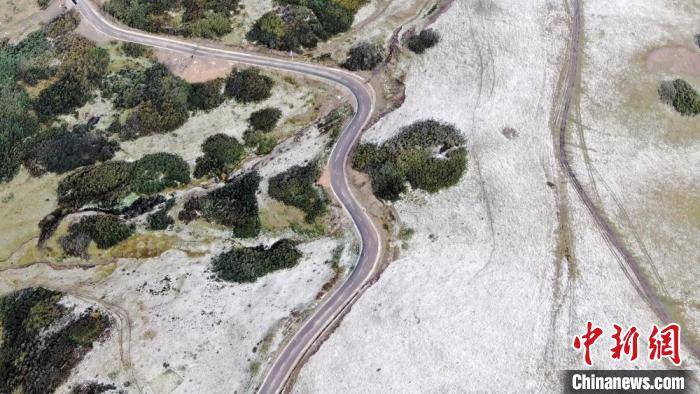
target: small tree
<point>364,56</point>
<point>248,85</point>
<point>264,120</point>
<point>418,43</point>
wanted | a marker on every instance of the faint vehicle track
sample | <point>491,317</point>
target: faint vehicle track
<point>629,264</point>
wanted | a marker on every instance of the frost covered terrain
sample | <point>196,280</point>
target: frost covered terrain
<point>506,268</point>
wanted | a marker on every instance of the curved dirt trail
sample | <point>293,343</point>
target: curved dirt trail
<point>630,265</point>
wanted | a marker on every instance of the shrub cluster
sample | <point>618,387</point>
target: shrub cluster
<point>158,171</point>
<point>298,24</point>
<point>428,154</point>
<point>135,50</point>
<point>62,24</point>
<point>106,184</point>
<point>426,39</point>
<point>248,264</point>
<point>82,67</point>
<point>159,100</point>
<point>332,123</point>
<point>201,18</point>
<point>34,359</point>
<point>160,220</point>
<point>61,150</point>
<point>206,95</point>
<point>265,120</point>
<point>105,230</point>
<point>364,56</point>
<point>234,205</point>
<point>295,187</point>
<point>261,122</point>
<point>248,86</point>
<point>221,155</point>
<point>681,95</point>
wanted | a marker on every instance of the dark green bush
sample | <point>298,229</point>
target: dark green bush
<point>265,145</point>
<point>426,39</point>
<point>211,25</point>
<point>159,97</point>
<point>298,24</point>
<point>105,230</point>
<point>17,122</point>
<point>265,119</point>
<point>62,97</point>
<point>157,171</point>
<point>295,187</point>
<point>248,264</point>
<point>43,3</point>
<point>221,154</point>
<point>60,150</point>
<point>248,85</point>
<point>288,28</point>
<point>364,56</point>
<point>135,50</point>
<point>206,95</point>
<point>102,184</point>
<point>34,358</point>
<point>686,99</point>
<point>160,220</point>
<point>427,154</point>
<point>234,205</point>
<point>62,24</point>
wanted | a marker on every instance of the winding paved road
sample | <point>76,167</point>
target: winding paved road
<point>371,247</point>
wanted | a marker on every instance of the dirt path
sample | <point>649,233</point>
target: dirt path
<point>629,263</point>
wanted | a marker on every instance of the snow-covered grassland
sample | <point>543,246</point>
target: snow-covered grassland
<point>505,269</point>
<point>643,156</point>
<point>189,333</point>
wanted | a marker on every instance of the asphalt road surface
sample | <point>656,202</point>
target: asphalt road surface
<point>326,314</point>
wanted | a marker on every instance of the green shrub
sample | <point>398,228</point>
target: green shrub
<point>102,184</point>
<point>206,95</point>
<point>17,122</point>
<point>160,220</point>
<point>161,100</point>
<point>268,30</point>
<point>332,123</point>
<point>37,353</point>
<point>61,150</point>
<point>43,4</point>
<point>248,85</point>
<point>62,24</point>
<point>248,264</point>
<point>333,17</point>
<point>686,99</point>
<point>426,39</point>
<point>211,25</point>
<point>265,119</point>
<point>295,187</point>
<point>427,154</point>
<point>364,56</point>
<point>265,145</point>
<point>62,97</point>
<point>105,230</point>
<point>221,154</point>
<point>135,50</point>
<point>234,205</point>
<point>157,171</point>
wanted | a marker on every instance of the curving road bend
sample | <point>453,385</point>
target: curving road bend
<point>637,277</point>
<point>371,247</point>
